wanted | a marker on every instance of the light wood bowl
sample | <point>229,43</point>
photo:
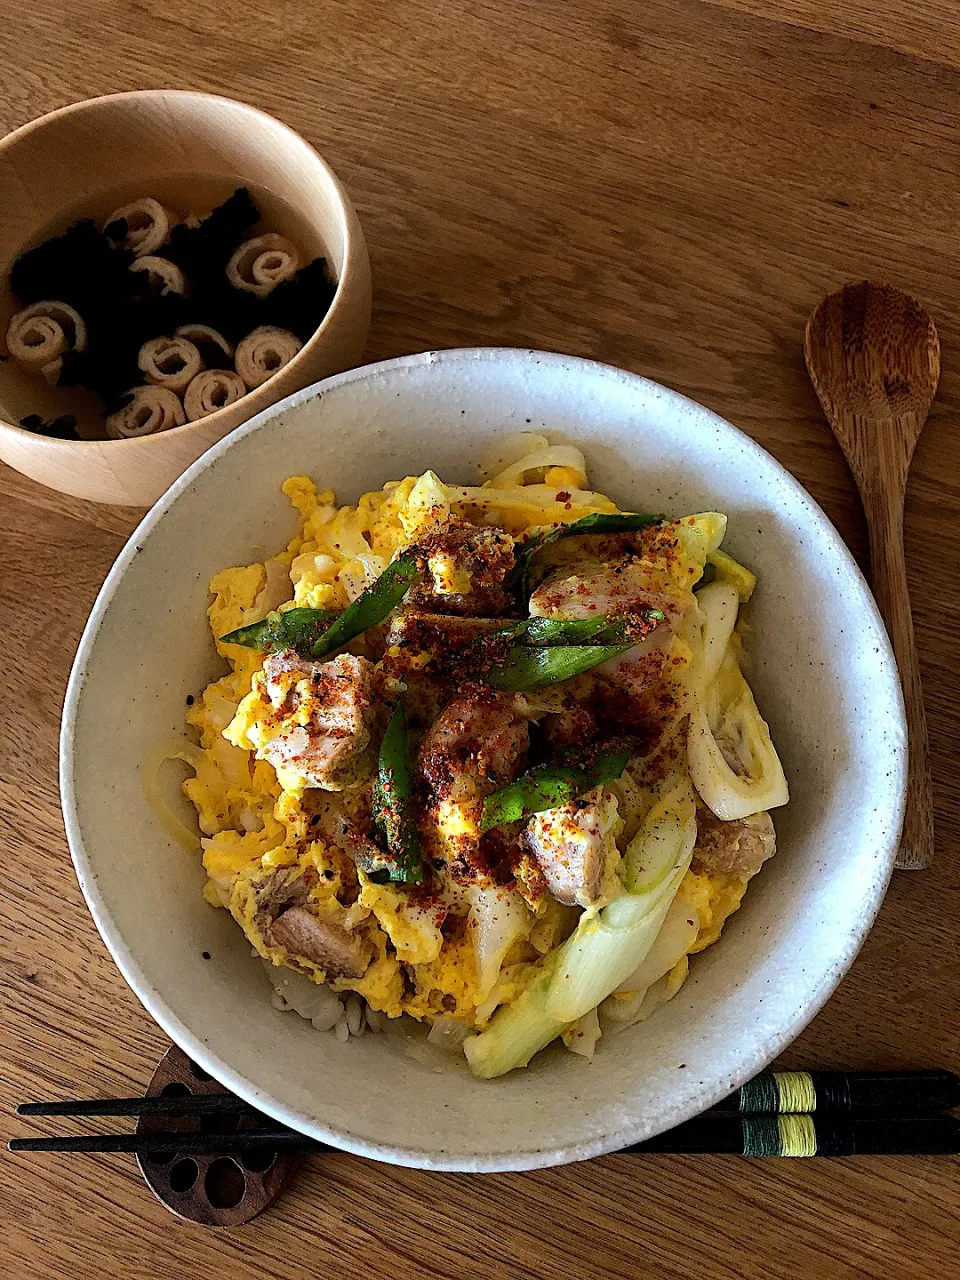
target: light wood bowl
<point>71,163</point>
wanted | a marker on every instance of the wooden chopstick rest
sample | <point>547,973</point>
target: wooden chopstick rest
<point>215,1189</point>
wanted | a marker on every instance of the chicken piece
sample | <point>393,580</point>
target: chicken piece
<point>332,948</point>
<point>418,641</point>
<point>465,569</point>
<point>276,891</point>
<point>615,589</point>
<point>315,721</point>
<point>575,848</point>
<point>476,745</point>
<point>738,848</point>
<point>575,726</point>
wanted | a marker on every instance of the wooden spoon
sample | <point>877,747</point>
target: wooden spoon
<point>873,356</point>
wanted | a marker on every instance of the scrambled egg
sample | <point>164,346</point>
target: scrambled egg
<point>253,822</point>
<point>715,897</point>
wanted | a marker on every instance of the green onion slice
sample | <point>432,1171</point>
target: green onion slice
<point>550,785</point>
<point>294,629</point>
<point>371,607</point>
<point>610,630</point>
<point>394,818</point>
<point>599,522</point>
<point>524,669</point>
<point>541,632</point>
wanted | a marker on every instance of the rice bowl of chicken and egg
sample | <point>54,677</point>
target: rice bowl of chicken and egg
<point>649,449</point>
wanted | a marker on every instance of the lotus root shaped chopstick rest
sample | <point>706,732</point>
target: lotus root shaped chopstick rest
<point>213,1190</point>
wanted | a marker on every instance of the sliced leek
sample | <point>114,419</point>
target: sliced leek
<point>608,948</point>
<point>759,781</point>
<point>518,1030</point>
<point>726,569</point>
<point>666,834</point>
<point>718,604</point>
<point>700,535</point>
<point>604,949</point>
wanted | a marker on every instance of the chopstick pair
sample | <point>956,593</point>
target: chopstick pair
<point>776,1114</point>
<point>825,1113</point>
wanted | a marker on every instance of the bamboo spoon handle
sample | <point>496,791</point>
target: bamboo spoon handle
<point>884,511</point>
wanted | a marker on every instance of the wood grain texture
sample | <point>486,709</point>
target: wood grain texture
<point>873,355</point>
<point>670,187</point>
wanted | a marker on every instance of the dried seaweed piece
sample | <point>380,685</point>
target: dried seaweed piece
<point>62,428</point>
<point>300,304</point>
<point>116,331</point>
<point>231,312</point>
<point>77,267</point>
<point>204,250</point>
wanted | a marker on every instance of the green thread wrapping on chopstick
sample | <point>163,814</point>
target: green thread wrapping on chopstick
<point>761,1136</point>
<point>759,1095</point>
<point>779,1093</point>
<point>798,1135</point>
<point>796,1092</point>
<point>788,1135</point>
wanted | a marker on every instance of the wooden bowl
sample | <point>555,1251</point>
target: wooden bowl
<point>85,160</point>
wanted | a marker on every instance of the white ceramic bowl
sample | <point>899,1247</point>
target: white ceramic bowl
<point>822,670</point>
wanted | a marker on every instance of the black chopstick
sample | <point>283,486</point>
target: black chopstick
<point>848,1092</point>
<point>823,1113</point>
<point>789,1135</point>
<point>770,1093</point>
<point>807,1135</point>
<point>189,1104</point>
<point>181,1143</point>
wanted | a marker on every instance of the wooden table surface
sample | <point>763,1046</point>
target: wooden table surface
<point>667,186</point>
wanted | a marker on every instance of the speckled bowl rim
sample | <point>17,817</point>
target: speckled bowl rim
<point>520,1158</point>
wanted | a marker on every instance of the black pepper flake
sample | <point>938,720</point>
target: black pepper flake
<point>190,699</point>
<point>206,955</point>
